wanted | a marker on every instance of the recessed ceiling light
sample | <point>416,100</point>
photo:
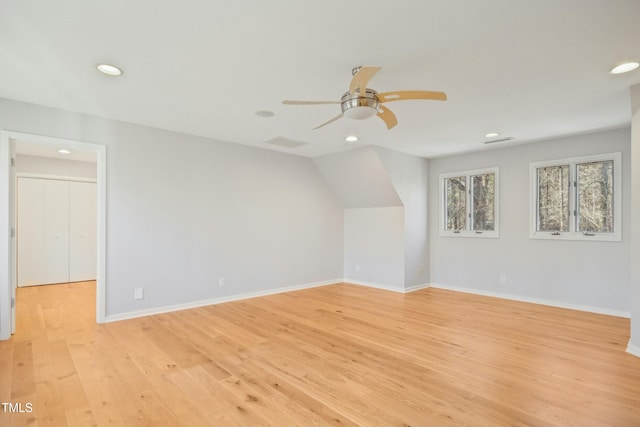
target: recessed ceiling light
<point>265,113</point>
<point>625,68</point>
<point>351,138</point>
<point>64,151</point>
<point>492,135</point>
<point>108,69</point>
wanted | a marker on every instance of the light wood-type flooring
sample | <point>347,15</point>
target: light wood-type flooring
<point>337,355</point>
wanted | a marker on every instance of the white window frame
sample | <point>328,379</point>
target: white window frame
<point>469,231</point>
<point>573,233</point>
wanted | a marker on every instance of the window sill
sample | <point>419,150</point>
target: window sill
<point>480,235</point>
<point>598,237</point>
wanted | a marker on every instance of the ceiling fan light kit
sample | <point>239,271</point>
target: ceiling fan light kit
<point>358,106</point>
<point>361,103</point>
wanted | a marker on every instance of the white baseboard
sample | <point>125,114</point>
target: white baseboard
<point>417,288</point>
<point>632,349</point>
<point>373,285</point>
<point>590,309</point>
<point>386,287</point>
<point>212,301</point>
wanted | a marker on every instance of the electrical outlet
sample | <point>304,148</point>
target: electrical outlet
<point>138,293</point>
<point>503,278</point>
<point>220,281</point>
<point>357,269</point>
<point>420,272</point>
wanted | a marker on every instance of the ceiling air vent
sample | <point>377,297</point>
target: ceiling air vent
<point>285,142</point>
<point>493,141</point>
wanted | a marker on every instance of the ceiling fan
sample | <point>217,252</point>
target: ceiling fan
<point>360,102</point>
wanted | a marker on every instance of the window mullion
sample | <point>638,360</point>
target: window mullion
<point>537,198</point>
<point>470,204</point>
<point>573,198</point>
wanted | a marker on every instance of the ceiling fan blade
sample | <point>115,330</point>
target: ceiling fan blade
<point>361,78</point>
<point>288,102</point>
<point>387,116</point>
<point>403,95</point>
<point>339,116</point>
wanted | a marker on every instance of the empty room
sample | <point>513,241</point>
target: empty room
<point>420,213</point>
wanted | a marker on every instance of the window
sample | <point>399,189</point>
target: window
<point>576,199</point>
<point>469,203</point>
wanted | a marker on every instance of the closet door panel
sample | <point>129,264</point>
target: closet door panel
<point>43,231</point>
<point>57,231</point>
<point>82,233</point>
<point>30,224</point>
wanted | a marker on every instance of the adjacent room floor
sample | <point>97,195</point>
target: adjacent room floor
<point>334,355</point>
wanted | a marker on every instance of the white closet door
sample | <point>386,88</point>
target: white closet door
<point>43,231</point>
<point>31,231</point>
<point>82,232</point>
<point>56,199</point>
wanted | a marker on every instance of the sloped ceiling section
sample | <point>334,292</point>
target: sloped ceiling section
<point>358,178</point>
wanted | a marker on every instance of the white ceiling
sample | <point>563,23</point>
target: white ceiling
<point>528,69</point>
<point>29,148</point>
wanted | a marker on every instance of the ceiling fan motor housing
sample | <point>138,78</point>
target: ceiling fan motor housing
<point>360,106</point>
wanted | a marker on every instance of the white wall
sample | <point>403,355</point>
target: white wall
<point>374,247</point>
<point>592,275</point>
<point>183,211</point>
<point>50,166</point>
<point>409,176</point>
<point>358,178</point>
<point>367,179</point>
<point>373,217</point>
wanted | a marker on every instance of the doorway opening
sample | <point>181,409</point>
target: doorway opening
<point>38,160</point>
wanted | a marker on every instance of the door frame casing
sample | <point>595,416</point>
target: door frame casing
<point>7,222</point>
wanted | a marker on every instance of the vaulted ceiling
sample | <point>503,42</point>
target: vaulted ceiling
<point>530,70</point>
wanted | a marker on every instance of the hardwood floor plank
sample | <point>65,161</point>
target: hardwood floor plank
<point>23,372</point>
<point>334,355</point>
<point>48,405</point>
<point>306,410</point>
<point>6,370</point>
<point>80,417</point>
<point>71,389</point>
<point>206,396</point>
<point>104,408</point>
<point>230,409</point>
